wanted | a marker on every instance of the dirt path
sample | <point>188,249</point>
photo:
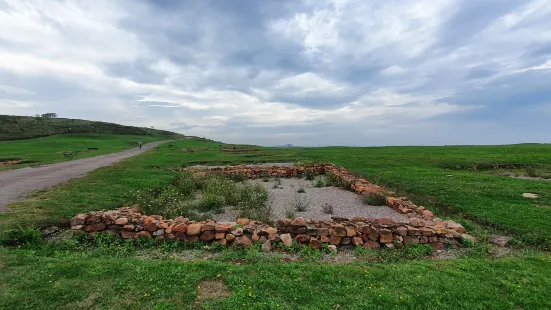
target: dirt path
<point>16,184</point>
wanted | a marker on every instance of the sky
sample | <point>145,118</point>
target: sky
<point>272,72</point>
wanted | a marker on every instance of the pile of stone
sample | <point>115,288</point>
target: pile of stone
<point>129,223</point>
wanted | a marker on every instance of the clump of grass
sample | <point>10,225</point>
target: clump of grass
<point>301,190</point>
<point>290,213</point>
<point>531,172</point>
<point>252,202</point>
<point>334,180</point>
<point>374,199</point>
<point>327,208</point>
<point>318,182</point>
<point>239,177</point>
<point>301,203</point>
<point>265,177</point>
<point>310,175</point>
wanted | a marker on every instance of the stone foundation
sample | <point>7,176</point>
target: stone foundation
<point>422,227</point>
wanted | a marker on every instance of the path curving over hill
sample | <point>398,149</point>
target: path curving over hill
<point>16,184</point>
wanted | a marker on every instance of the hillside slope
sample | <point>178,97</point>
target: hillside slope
<point>24,127</point>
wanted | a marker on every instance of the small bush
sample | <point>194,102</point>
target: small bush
<point>290,213</point>
<point>327,208</point>
<point>239,177</point>
<point>21,236</point>
<point>318,182</point>
<point>301,191</point>
<point>374,199</point>
<point>310,175</point>
<point>301,203</point>
<point>531,172</point>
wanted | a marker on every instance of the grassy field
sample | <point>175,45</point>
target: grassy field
<point>454,182</point>
<point>50,149</point>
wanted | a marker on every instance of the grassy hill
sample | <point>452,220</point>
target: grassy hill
<point>25,127</point>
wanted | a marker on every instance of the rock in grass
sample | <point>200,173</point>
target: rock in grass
<point>286,239</point>
<point>267,246</point>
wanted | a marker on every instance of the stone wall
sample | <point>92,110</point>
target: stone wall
<point>129,223</point>
<point>422,227</point>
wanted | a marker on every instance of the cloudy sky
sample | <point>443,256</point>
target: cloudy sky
<point>269,72</point>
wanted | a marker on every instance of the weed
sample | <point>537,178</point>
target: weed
<point>301,191</point>
<point>327,208</point>
<point>21,236</point>
<point>531,172</point>
<point>318,182</point>
<point>301,203</point>
<point>374,199</point>
<point>290,213</point>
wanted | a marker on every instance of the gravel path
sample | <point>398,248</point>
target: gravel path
<point>16,184</point>
<point>345,203</point>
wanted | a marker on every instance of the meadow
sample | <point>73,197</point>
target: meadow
<point>455,182</point>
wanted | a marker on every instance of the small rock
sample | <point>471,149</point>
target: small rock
<point>121,221</point>
<point>339,230</point>
<point>267,246</point>
<point>530,195</point>
<point>208,235</point>
<point>315,243</point>
<point>332,248</point>
<point>286,239</point>
<point>243,221</point>
<point>501,241</point>
<point>299,221</point>
<point>262,239</point>
<point>242,241</point>
<point>230,237</point>
<point>194,229</point>
<point>77,227</point>
<point>302,238</point>
<point>335,240</point>
<point>159,232</point>
<point>180,228</point>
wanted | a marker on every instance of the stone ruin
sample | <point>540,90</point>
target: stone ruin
<point>421,227</point>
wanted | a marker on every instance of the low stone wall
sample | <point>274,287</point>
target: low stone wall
<point>129,223</point>
<point>422,227</point>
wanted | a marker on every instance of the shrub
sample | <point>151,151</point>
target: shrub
<point>318,182</point>
<point>301,191</point>
<point>239,177</point>
<point>374,199</point>
<point>531,172</point>
<point>327,208</point>
<point>21,236</point>
<point>290,213</point>
<point>251,202</point>
<point>185,183</point>
<point>301,203</point>
<point>310,175</point>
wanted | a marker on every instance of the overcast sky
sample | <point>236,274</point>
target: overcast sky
<point>270,72</point>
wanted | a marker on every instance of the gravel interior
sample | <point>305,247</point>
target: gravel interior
<point>345,203</point>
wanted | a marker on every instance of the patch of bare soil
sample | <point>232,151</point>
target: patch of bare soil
<point>212,289</point>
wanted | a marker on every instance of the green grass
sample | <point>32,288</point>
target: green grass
<point>50,149</point>
<point>70,280</point>
<point>440,178</point>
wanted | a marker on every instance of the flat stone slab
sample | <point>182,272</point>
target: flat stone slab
<point>530,195</point>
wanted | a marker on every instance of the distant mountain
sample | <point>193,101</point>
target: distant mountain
<point>286,145</point>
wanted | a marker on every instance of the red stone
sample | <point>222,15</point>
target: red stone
<point>142,234</point>
<point>220,235</point>
<point>350,232</point>
<point>242,241</point>
<point>339,230</point>
<point>207,235</point>
<point>402,231</point>
<point>151,227</point>
<point>325,239</point>
<point>194,229</point>
<point>315,243</point>
<point>372,244</point>
<point>411,240</point>
<point>357,241</point>
<point>207,227</point>
<point>95,227</point>
<point>299,221</point>
<point>286,239</point>
<point>385,236</point>
<point>230,237</point>
<point>180,228</point>
<point>224,227</point>
<point>243,221</point>
<point>302,238</point>
<point>121,221</point>
<point>335,240</point>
